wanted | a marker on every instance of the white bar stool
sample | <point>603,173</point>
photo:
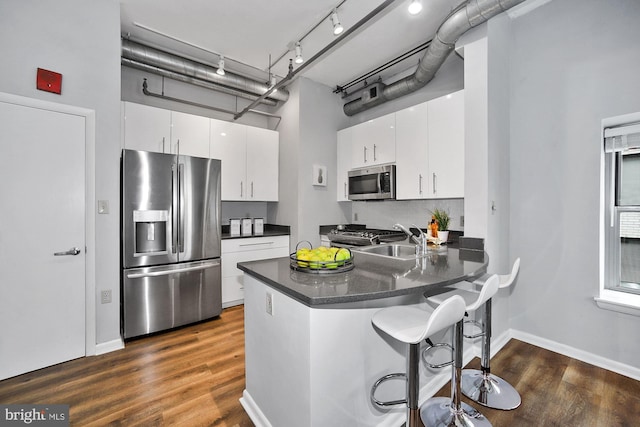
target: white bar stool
<point>411,325</point>
<point>444,411</point>
<point>481,385</point>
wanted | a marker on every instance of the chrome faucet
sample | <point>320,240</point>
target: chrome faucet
<point>421,242</point>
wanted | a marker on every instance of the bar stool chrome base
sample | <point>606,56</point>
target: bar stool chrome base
<point>489,390</point>
<point>438,412</point>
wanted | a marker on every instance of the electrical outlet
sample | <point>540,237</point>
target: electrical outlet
<point>105,296</point>
<point>269,304</point>
<point>355,216</point>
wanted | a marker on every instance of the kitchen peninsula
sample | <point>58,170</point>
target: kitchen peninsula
<point>312,354</point>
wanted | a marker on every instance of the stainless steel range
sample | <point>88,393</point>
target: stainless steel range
<point>364,237</point>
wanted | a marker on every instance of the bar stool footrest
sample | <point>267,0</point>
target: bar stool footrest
<point>426,351</point>
<point>380,381</point>
<point>477,324</point>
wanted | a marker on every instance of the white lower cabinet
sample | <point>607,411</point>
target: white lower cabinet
<point>246,249</point>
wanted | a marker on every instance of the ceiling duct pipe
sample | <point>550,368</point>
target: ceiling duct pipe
<point>467,16</point>
<point>146,55</point>
<point>193,81</point>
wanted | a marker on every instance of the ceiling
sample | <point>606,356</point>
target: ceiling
<point>251,33</point>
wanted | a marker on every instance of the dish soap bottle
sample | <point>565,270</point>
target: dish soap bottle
<point>433,226</point>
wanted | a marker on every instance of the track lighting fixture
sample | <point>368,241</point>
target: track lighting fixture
<point>220,70</point>
<point>337,26</point>
<point>299,59</point>
<point>415,7</point>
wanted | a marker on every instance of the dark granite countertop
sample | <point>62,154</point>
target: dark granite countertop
<point>269,230</point>
<point>373,277</point>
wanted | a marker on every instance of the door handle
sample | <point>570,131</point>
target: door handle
<point>72,251</point>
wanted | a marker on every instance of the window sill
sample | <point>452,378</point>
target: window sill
<point>621,302</point>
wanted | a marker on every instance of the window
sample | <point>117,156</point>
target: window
<point>621,215</point>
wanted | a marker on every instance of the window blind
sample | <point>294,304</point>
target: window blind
<point>621,138</point>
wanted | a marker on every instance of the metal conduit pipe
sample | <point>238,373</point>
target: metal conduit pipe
<point>150,56</point>
<point>467,16</point>
<point>191,80</point>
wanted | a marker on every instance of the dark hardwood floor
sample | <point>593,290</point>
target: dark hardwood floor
<point>194,376</point>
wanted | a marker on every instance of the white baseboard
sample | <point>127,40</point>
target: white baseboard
<point>232,303</point>
<point>254,412</point>
<point>109,346</point>
<point>592,359</point>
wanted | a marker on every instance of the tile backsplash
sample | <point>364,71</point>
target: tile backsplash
<point>383,214</point>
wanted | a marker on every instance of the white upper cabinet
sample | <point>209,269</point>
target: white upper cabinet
<point>412,168</point>
<point>446,145</point>
<point>262,164</point>
<point>373,142</point>
<point>430,149</point>
<point>189,134</point>
<point>249,158</point>
<point>163,131</point>
<point>146,128</point>
<point>229,144</point>
<point>343,164</point>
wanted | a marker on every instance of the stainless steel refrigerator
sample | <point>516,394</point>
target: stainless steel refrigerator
<point>170,241</point>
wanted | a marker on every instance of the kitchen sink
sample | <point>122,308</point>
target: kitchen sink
<point>391,250</point>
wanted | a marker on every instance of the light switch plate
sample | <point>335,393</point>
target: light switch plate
<point>103,206</point>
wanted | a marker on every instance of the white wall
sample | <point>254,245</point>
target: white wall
<point>80,40</point>
<point>311,118</point>
<point>573,63</point>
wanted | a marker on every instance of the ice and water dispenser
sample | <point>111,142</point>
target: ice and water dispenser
<point>151,232</point>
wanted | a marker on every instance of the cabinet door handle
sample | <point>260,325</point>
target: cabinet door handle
<point>374,153</point>
<point>345,190</point>
<point>365,154</point>
<point>163,144</point>
<point>420,183</point>
<point>256,244</point>
<point>240,189</point>
<point>72,251</point>
<point>435,184</point>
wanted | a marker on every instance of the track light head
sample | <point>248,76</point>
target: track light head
<point>299,59</point>
<point>415,7</point>
<point>220,70</point>
<point>335,21</point>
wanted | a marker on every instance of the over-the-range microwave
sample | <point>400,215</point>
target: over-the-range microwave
<point>373,183</point>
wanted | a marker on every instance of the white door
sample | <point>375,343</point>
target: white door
<point>42,188</point>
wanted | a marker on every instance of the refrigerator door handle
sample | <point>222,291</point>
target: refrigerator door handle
<point>181,207</point>
<point>167,272</point>
<point>174,209</point>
